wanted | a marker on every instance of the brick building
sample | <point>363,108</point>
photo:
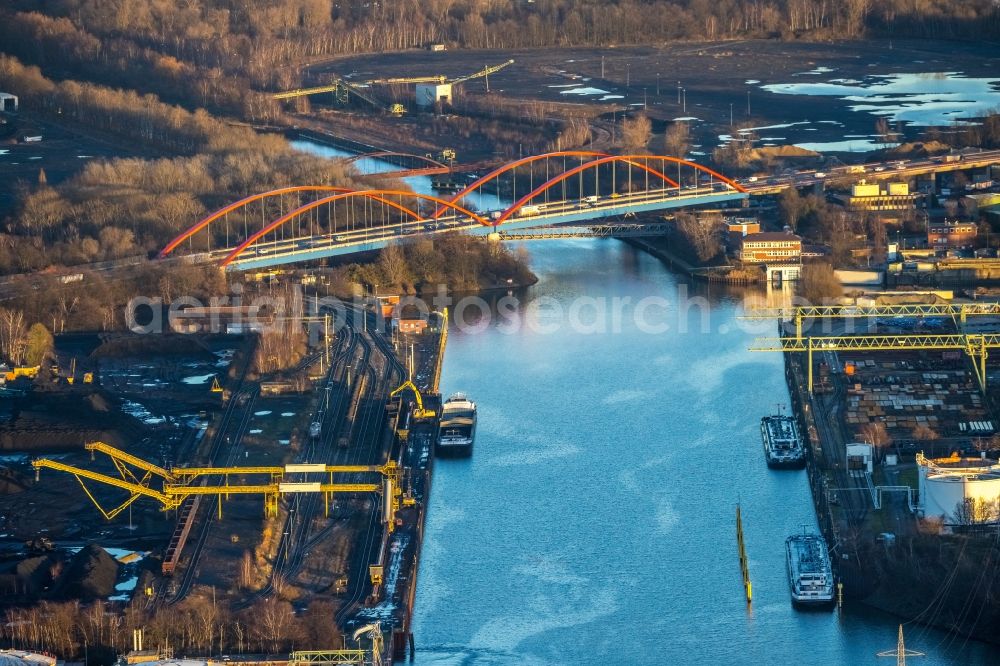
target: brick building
<point>951,233</point>
<point>771,247</point>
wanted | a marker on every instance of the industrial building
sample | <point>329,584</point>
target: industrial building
<point>986,203</point>
<point>778,253</point>
<point>871,196</point>
<point>8,102</point>
<point>429,94</point>
<point>951,233</point>
<point>737,228</point>
<point>959,491</point>
<point>771,247</point>
<point>860,458</point>
<point>22,658</point>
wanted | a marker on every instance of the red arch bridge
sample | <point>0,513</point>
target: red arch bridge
<point>309,222</point>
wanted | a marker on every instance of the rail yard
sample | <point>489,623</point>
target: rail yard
<point>313,494</point>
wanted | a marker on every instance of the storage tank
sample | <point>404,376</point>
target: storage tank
<point>946,484</point>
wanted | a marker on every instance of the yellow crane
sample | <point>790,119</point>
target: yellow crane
<point>342,88</point>
<point>976,346</point>
<point>441,78</point>
<point>958,312</point>
<point>419,413</point>
<point>484,72</point>
<point>135,476</point>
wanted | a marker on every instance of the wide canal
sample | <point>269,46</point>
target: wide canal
<point>595,522</point>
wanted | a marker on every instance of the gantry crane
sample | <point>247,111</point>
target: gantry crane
<point>342,88</point>
<point>178,483</point>
<point>958,312</point>
<point>975,345</point>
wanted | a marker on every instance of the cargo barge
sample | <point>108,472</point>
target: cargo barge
<point>810,574</point>
<point>782,445</point>
<point>458,427</point>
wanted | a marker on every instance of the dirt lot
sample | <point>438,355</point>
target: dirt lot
<point>61,153</point>
<point>714,77</point>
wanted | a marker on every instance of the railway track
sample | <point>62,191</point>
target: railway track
<point>249,399</point>
<point>292,547</point>
<point>239,396</point>
<point>380,383</point>
<point>373,369</point>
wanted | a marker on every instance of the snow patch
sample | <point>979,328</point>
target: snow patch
<point>584,91</point>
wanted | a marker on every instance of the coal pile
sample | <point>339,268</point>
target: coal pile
<point>91,574</point>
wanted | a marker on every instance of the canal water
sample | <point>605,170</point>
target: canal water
<point>595,522</point>
<point>619,418</point>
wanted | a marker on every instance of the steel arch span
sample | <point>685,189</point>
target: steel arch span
<point>378,195</point>
<point>630,160</point>
<point>236,205</point>
<point>510,166</point>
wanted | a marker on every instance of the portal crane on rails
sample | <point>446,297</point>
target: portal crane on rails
<point>976,346</point>
<point>177,484</point>
<point>958,312</point>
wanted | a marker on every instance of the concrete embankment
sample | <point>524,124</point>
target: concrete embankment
<point>422,470</point>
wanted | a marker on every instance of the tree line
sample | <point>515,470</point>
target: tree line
<point>220,54</point>
<point>195,626</point>
<point>462,262</point>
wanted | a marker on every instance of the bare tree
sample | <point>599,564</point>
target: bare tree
<point>875,433</point>
<point>274,619</point>
<point>819,284</point>
<point>12,335</point>
<point>677,139</point>
<point>392,263</point>
<point>703,236</point>
<point>636,133</point>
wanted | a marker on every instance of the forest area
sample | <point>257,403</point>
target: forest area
<point>222,54</point>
